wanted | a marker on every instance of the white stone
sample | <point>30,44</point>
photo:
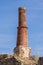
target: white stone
<point>22,51</point>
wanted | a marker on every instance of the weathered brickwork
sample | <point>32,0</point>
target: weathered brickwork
<point>22,48</point>
<point>22,17</point>
<point>22,38</point>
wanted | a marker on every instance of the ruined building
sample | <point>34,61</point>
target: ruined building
<point>22,48</point>
<point>21,51</point>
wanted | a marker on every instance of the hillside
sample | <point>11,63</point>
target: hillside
<point>14,60</point>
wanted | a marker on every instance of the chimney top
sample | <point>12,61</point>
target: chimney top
<point>22,8</point>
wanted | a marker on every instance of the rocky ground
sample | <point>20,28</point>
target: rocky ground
<point>14,60</point>
<point>9,61</point>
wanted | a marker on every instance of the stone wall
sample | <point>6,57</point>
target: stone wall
<point>22,51</point>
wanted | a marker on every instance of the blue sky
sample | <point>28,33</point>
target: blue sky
<point>9,23</point>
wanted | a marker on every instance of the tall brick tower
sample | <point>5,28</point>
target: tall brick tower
<point>22,48</point>
<point>22,38</point>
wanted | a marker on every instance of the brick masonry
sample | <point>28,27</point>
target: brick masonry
<point>22,48</point>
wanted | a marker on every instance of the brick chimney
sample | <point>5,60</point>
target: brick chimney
<point>22,48</point>
<point>22,38</point>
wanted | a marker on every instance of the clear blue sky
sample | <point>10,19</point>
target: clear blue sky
<point>9,23</point>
